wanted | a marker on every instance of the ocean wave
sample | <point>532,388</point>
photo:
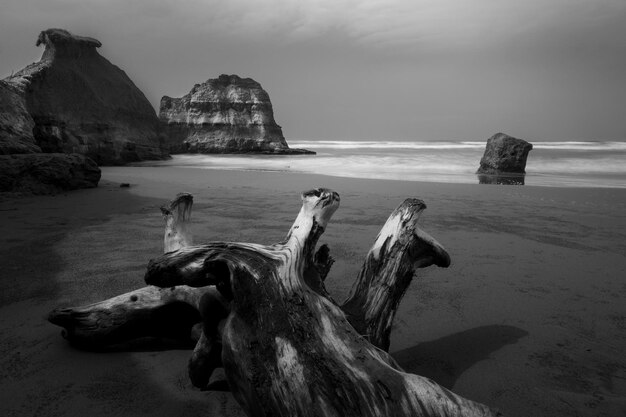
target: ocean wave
<point>588,146</point>
<point>335,144</point>
<point>561,145</point>
<point>393,166</point>
<point>597,169</point>
<point>577,166</point>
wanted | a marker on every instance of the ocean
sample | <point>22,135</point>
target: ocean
<point>551,164</point>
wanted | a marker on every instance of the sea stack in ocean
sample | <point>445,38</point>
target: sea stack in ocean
<point>75,101</point>
<point>505,156</point>
<point>228,114</point>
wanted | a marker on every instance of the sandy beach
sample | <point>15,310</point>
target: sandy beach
<point>530,317</point>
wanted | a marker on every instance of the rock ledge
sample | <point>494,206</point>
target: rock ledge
<point>47,173</point>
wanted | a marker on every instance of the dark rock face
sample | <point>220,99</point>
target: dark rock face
<point>47,173</point>
<point>228,114</point>
<point>81,103</point>
<point>16,125</point>
<point>504,155</point>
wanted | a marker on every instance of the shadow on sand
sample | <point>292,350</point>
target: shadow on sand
<point>445,359</point>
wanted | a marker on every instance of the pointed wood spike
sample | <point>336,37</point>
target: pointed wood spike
<point>400,248</point>
<point>177,215</point>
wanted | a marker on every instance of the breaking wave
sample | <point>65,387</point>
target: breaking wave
<point>561,164</point>
<point>346,144</point>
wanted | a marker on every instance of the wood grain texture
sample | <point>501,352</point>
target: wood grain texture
<point>400,249</point>
<point>288,350</point>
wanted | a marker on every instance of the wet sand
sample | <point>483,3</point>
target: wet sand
<point>530,317</point>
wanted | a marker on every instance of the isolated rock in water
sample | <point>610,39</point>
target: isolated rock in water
<point>81,103</point>
<point>504,154</point>
<point>228,114</point>
<point>47,173</point>
<point>16,125</point>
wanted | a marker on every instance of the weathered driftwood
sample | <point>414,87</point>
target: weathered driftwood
<point>287,349</point>
<point>177,215</point>
<point>169,313</point>
<point>400,248</point>
<point>183,314</point>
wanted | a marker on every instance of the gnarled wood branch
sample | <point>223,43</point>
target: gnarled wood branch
<point>400,248</point>
<point>146,312</point>
<point>154,312</point>
<point>290,351</point>
<point>286,346</point>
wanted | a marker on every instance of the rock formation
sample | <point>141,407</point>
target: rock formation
<point>228,114</point>
<point>23,168</point>
<point>75,101</point>
<point>504,155</point>
<point>47,173</point>
<point>16,125</point>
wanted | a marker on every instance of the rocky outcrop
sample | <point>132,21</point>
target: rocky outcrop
<point>47,173</point>
<point>228,114</point>
<point>78,102</point>
<point>16,125</point>
<point>504,155</point>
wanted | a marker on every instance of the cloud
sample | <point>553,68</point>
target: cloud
<point>368,23</point>
<point>401,22</point>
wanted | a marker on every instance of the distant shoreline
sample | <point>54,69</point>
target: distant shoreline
<point>398,166</point>
<point>153,179</point>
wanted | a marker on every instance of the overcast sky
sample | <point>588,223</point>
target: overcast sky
<point>374,69</point>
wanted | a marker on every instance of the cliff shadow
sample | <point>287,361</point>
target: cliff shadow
<point>502,179</point>
<point>445,359</point>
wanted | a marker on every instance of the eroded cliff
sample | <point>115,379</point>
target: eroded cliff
<point>81,103</point>
<point>227,114</point>
<point>16,124</point>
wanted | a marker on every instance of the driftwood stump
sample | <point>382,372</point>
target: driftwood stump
<point>287,348</point>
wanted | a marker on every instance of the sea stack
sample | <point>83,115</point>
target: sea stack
<point>504,154</point>
<point>78,102</point>
<point>228,114</point>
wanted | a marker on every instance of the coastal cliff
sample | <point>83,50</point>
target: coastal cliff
<point>75,101</point>
<point>227,114</point>
<point>16,124</point>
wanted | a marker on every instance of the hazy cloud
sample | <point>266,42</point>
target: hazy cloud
<point>401,22</point>
<point>369,68</point>
<point>422,23</point>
